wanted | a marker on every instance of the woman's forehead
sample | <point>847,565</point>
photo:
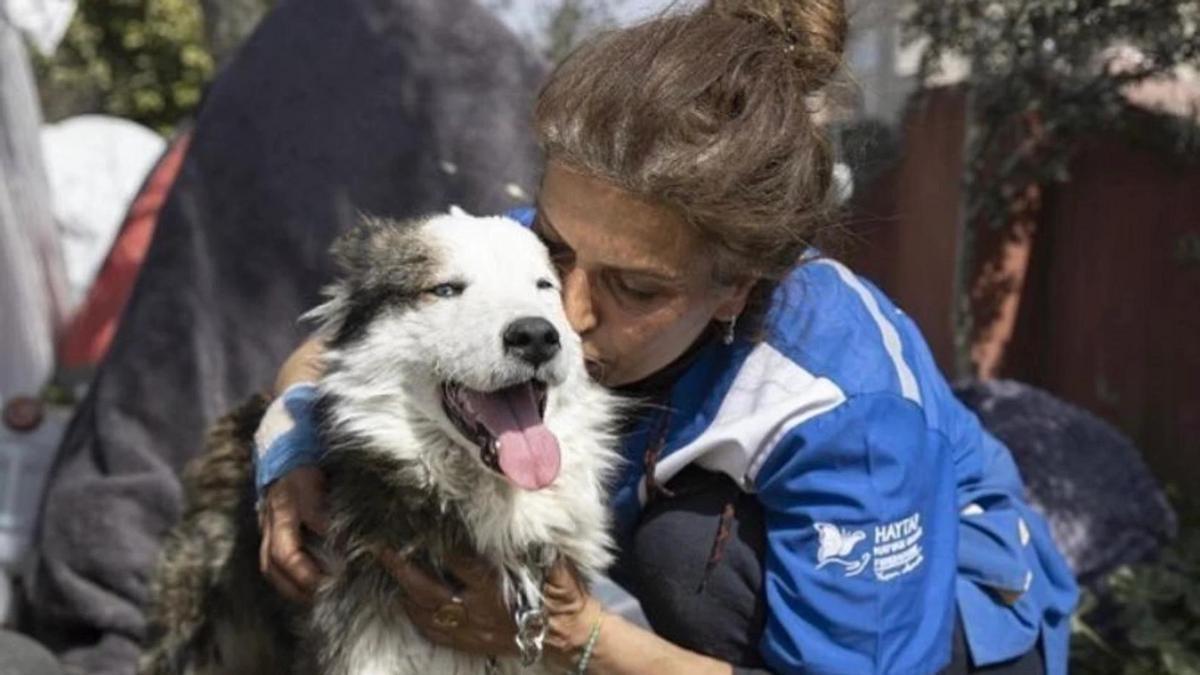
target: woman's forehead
<point>609,226</point>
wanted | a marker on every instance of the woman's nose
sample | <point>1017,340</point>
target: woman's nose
<point>577,300</point>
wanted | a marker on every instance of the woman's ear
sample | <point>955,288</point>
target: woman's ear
<point>735,301</point>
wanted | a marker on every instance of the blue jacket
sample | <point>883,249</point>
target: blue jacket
<point>887,506</point>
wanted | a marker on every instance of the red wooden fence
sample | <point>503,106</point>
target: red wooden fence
<point>1109,317</point>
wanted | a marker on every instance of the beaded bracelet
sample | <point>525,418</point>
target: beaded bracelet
<point>581,667</point>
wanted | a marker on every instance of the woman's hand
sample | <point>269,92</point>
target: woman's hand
<point>295,501</point>
<point>487,627</point>
<point>572,613</point>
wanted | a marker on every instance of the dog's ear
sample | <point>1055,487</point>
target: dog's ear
<point>352,249</point>
<point>330,316</point>
<point>381,262</point>
<point>456,210</point>
<point>374,247</point>
<point>351,253</point>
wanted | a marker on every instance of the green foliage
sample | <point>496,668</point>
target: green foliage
<point>145,60</point>
<point>1044,74</point>
<point>1154,612</point>
<point>570,21</point>
<point>1043,40</point>
<point>560,24</point>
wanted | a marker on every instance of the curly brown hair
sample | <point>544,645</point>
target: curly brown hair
<point>710,113</point>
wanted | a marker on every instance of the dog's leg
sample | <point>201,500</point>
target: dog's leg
<point>211,611</point>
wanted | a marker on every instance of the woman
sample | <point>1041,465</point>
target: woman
<point>805,494</point>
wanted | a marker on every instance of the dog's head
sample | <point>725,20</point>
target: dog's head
<point>458,320</point>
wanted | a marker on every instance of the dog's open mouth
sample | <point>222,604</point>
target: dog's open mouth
<point>507,425</point>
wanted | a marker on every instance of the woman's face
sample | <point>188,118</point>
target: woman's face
<point>637,282</point>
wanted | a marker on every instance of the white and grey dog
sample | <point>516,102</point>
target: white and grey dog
<point>457,415</point>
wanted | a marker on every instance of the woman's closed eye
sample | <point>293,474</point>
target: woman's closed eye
<point>635,289</point>
<point>560,254</point>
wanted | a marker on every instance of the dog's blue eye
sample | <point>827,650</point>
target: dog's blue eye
<point>448,290</point>
<point>544,284</point>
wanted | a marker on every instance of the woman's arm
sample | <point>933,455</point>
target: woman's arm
<point>303,365</point>
<point>621,648</point>
<point>294,500</point>
<point>859,571</point>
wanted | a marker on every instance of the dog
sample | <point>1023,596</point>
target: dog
<point>457,415</point>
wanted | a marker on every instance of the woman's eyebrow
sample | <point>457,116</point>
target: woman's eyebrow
<point>647,274</point>
<point>544,228</point>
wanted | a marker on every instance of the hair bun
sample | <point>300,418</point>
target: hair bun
<point>813,31</point>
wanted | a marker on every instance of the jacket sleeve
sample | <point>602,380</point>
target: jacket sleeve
<point>1014,587</point>
<point>1014,590</point>
<point>861,540</point>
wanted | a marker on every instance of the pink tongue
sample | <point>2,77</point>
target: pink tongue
<point>528,452</point>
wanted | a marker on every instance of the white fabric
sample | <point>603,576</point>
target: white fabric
<point>44,21</point>
<point>95,165</point>
<point>32,288</point>
<point>25,461</point>
<point>770,396</point>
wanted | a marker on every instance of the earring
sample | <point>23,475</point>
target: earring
<point>730,327</point>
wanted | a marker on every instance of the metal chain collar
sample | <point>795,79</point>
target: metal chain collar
<point>530,618</point>
<point>531,634</point>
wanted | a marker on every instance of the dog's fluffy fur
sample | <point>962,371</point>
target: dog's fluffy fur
<point>420,305</point>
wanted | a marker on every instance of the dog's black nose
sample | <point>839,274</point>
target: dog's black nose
<point>531,339</point>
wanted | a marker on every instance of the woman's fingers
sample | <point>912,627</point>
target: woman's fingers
<point>570,611</point>
<point>480,580</point>
<point>479,642</point>
<point>264,542</point>
<point>436,636</point>
<point>486,625</point>
<point>563,585</point>
<point>307,489</point>
<point>286,587</point>
<point>481,591</point>
<point>468,637</point>
<point>292,503</point>
<point>287,553</point>
<point>420,589</point>
<point>484,642</point>
<point>471,570</point>
<point>315,519</point>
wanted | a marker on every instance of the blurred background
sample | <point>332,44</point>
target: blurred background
<point>1022,176</point>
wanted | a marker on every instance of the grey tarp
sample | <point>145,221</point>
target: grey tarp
<point>397,107</point>
<point>1103,505</point>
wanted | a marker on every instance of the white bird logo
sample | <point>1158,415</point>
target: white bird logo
<point>836,544</point>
